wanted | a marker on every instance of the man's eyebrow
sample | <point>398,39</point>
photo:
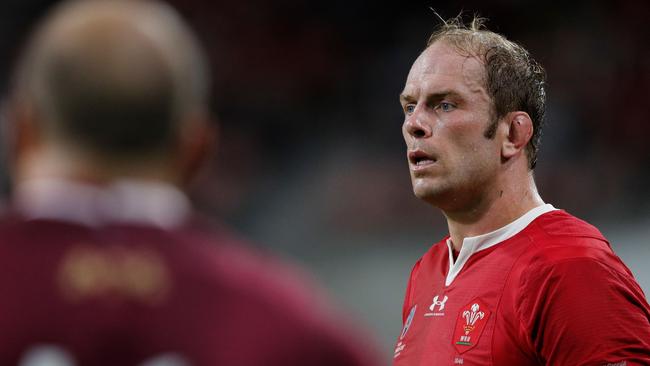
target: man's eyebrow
<point>443,94</point>
<point>405,97</point>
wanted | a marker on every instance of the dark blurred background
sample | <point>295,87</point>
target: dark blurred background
<point>311,163</point>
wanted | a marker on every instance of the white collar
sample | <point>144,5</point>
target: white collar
<point>133,201</point>
<point>477,243</point>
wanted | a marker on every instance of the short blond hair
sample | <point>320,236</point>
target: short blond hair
<point>513,79</point>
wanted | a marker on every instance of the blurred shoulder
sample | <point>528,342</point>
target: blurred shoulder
<point>284,300</point>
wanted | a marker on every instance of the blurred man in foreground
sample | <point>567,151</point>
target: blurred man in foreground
<point>516,282</point>
<point>101,260</point>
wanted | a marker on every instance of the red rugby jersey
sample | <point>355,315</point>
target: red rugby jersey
<point>544,290</point>
<point>118,276</point>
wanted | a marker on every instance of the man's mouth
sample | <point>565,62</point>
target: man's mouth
<point>424,161</point>
<point>420,158</point>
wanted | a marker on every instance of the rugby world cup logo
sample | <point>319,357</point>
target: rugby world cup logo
<point>407,324</point>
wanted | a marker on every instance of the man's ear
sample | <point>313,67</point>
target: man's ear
<point>20,132</point>
<point>197,145</point>
<point>519,131</point>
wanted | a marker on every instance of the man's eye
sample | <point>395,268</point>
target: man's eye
<point>409,108</point>
<point>446,107</point>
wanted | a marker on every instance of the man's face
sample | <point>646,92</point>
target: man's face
<point>447,111</point>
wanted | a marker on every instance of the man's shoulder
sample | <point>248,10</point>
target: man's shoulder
<point>438,248</point>
<point>559,223</point>
<point>217,263</point>
<point>558,237</point>
<point>557,234</point>
<point>248,265</point>
<point>436,256</point>
<point>230,285</point>
<point>286,298</point>
<point>260,276</point>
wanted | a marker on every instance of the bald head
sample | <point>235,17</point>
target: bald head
<point>115,78</point>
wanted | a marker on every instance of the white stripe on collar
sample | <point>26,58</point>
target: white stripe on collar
<point>477,243</point>
<point>123,201</point>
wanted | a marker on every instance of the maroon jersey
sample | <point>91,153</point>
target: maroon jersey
<point>91,289</point>
<point>544,290</point>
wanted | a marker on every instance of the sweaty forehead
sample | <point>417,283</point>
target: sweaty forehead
<point>444,62</point>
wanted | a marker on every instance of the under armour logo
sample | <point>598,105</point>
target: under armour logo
<point>435,303</point>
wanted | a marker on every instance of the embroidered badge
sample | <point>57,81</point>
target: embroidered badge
<point>469,326</point>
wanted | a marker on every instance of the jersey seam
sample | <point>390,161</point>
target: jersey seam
<point>604,265</point>
<point>535,244</point>
<point>530,243</point>
<point>589,259</point>
<point>575,235</point>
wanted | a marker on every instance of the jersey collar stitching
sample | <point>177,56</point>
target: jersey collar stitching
<point>477,243</point>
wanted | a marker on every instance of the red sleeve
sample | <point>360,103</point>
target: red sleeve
<point>408,297</point>
<point>581,311</point>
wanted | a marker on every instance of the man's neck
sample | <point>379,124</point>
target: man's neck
<point>497,209</point>
<point>57,164</point>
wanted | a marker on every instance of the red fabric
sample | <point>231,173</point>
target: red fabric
<point>554,294</point>
<point>121,295</point>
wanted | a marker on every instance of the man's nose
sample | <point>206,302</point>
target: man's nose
<point>416,126</point>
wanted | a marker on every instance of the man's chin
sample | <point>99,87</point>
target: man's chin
<point>427,193</point>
